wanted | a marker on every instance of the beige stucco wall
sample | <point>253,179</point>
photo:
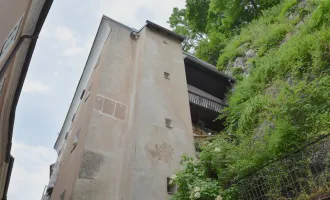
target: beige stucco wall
<point>158,148</point>
<point>10,12</point>
<point>125,150</point>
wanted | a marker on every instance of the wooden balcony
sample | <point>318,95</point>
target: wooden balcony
<point>204,102</point>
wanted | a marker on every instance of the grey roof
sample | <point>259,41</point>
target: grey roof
<point>171,33</point>
<point>206,65</point>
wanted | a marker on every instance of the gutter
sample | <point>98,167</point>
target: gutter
<point>33,40</point>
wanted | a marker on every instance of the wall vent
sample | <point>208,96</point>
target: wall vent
<point>167,75</point>
<point>168,123</point>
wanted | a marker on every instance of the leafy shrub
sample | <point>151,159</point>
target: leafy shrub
<point>282,104</point>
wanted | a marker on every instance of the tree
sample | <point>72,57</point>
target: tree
<point>210,48</point>
<point>197,14</point>
<point>233,13</point>
<point>180,24</point>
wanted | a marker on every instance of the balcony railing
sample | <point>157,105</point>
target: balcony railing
<point>204,102</point>
<point>304,174</point>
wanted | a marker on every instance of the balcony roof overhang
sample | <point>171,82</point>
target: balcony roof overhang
<point>206,77</point>
<point>207,67</point>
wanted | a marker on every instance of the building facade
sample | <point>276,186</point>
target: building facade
<point>20,25</point>
<point>132,115</point>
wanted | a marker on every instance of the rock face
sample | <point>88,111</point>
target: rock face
<point>241,64</point>
<point>262,129</point>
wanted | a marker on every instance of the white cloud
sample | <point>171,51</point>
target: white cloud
<point>129,11</point>
<point>64,34</point>
<point>31,171</point>
<point>35,86</point>
<point>69,42</point>
<point>74,50</point>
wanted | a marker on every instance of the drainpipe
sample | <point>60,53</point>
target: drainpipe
<point>14,51</point>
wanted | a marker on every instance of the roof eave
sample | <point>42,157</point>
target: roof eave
<point>207,66</point>
<point>179,37</point>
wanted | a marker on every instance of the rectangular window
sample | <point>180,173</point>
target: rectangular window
<point>87,96</point>
<point>167,75</point>
<point>66,135</point>
<point>62,195</point>
<point>82,94</point>
<point>168,123</point>
<point>2,82</point>
<point>171,187</point>
<point>88,91</point>
<point>73,117</point>
<point>76,139</point>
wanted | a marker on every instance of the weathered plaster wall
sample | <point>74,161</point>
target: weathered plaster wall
<point>109,124</point>
<point>125,150</point>
<point>158,148</point>
<point>10,12</point>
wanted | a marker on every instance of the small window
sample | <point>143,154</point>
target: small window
<point>88,91</point>
<point>73,117</point>
<point>76,139</point>
<point>49,191</point>
<point>2,81</point>
<point>82,94</point>
<point>62,195</point>
<point>168,123</point>
<point>167,75</point>
<point>87,96</point>
<point>171,187</point>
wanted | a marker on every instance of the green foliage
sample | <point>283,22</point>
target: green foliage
<point>197,14</point>
<point>210,48</point>
<point>193,182</point>
<point>180,24</point>
<point>281,105</point>
<point>237,12</point>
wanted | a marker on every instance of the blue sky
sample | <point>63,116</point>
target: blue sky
<point>54,72</point>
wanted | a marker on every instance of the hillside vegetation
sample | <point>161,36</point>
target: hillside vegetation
<point>279,52</point>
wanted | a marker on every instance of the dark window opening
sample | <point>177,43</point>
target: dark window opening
<point>87,97</point>
<point>76,139</point>
<point>49,191</point>
<point>166,75</point>
<point>2,82</point>
<point>73,117</point>
<point>168,123</point>
<point>66,135</point>
<point>171,187</point>
<point>82,94</point>
<point>62,195</point>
